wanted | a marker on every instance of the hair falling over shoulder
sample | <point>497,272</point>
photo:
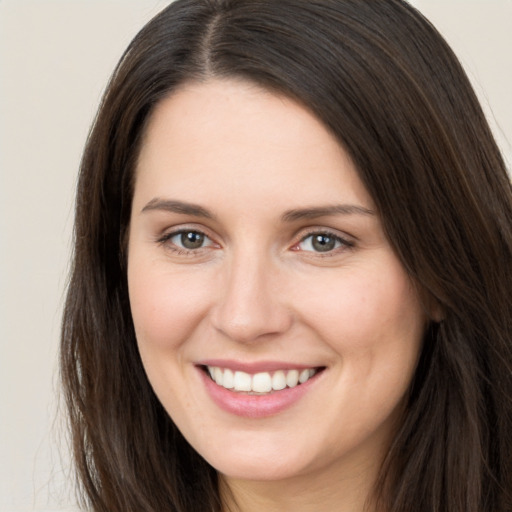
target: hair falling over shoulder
<point>385,83</point>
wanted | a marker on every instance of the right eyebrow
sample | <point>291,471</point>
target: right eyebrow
<point>174,206</point>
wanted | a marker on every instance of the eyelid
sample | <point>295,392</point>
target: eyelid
<point>165,237</point>
<point>347,241</point>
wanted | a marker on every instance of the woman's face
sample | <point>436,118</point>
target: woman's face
<point>256,255</point>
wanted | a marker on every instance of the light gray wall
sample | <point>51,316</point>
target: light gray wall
<point>55,58</point>
<point>480,33</point>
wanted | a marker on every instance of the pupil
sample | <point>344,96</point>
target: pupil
<point>323,243</point>
<point>192,240</point>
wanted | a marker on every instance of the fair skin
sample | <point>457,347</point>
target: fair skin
<point>255,248</point>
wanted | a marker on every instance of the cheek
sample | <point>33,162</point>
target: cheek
<point>165,306</point>
<point>362,307</point>
<point>375,324</point>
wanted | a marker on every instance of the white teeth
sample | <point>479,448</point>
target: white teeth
<point>263,382</point>
<point>242,381</point>
<point>229,379</point>
<point>278,380</point>
<point>304,376</point>
<point>292,378</point>
<point>218,376</point>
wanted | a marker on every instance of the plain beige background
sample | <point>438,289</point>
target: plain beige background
<point>55,59</point>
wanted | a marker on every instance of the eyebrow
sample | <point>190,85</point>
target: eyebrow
<point>173,206</point>
<point>324,211</point>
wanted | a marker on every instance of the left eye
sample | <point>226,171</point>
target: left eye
<point>190,240</point>
<point>321,242</point>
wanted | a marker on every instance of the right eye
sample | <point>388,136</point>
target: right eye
<point>186,240</point>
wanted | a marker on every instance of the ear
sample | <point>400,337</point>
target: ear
<point>434,310</point>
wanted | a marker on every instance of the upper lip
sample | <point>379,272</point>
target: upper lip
<point>255,366</point>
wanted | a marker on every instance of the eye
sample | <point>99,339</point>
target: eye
<point>187,240</point>
<point>322,242</point>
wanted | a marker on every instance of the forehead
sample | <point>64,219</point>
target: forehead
<point>220,135</point>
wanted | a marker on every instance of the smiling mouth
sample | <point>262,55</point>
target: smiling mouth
<point>262,383</point>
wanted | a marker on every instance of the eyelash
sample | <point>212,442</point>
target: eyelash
<point>182,251</point>
<point>344,243</point>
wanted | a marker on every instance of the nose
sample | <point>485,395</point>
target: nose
<point>251,304</point>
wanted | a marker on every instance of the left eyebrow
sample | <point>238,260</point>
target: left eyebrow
<point>324,211</point>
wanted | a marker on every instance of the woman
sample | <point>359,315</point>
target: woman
<point>291,284</point>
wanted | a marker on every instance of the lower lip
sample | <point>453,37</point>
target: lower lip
<point>255,406</point>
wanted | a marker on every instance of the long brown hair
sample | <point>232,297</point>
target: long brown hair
<point>386,84</point>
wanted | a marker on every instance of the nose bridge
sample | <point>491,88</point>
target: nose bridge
<point>250,305</point>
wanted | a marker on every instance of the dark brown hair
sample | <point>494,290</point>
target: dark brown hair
<point>381,78</point>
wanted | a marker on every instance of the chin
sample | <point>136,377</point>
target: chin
<point>259,464</point>
<point>257,471</point>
